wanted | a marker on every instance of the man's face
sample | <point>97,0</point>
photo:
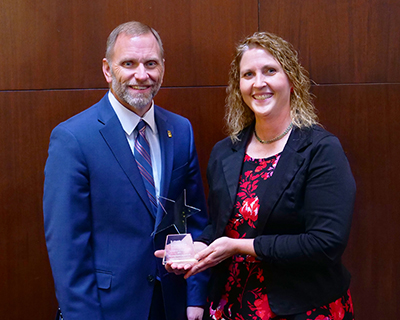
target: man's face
<point>135,71</point>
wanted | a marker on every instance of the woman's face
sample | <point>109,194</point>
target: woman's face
<point>264,86</point>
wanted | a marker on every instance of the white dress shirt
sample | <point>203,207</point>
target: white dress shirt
<point>129,121</point>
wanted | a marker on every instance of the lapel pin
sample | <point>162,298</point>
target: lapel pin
<point>169,134</point>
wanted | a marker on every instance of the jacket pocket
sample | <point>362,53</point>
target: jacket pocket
<point>103,279</point>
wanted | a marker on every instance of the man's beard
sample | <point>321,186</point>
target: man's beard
<point>138,101</point>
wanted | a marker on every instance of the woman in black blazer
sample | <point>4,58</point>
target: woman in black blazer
<point>281,197</point>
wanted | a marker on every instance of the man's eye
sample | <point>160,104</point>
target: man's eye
<point>127,64</point>
<point>151,64</point>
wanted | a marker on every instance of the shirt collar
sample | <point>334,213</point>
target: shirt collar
<point>129,119</point>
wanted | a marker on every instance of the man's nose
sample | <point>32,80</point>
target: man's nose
<point>141,73</point>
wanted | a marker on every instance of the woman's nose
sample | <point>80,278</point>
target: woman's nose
<point>259,81</point>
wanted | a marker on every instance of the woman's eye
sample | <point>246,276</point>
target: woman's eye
<point>247,74</point>
<point>271,70</point>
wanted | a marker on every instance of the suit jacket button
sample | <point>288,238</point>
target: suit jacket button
<point>150,278</point>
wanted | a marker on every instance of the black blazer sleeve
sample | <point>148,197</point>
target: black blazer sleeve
<point>311,222</point>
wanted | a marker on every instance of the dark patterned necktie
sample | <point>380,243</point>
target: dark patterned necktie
<point>143,160</point>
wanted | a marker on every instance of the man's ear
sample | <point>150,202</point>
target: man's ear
<point>107,71</point>
<point>162,79</point>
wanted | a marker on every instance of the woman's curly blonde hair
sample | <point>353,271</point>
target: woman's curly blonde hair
<point>302,111</point>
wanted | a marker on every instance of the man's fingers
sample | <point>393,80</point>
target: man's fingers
<point>159,253</point>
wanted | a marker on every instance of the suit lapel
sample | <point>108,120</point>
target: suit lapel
<point>166,136</point>
<point>115,138</point>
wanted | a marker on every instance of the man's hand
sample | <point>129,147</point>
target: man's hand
<point>159,253</point>
<point>194,313</point>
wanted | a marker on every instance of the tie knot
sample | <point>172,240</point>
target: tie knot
<point>141,125</point>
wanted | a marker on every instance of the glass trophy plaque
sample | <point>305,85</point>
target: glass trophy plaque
<point>179,248</point>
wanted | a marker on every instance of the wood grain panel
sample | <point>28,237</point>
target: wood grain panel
<point>340,41</point>
<point>205,108</point>
<point>27,118</point>
<point>60,44</point>
<point>364,117</point>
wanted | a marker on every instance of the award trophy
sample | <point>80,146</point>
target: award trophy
<point>179,248</point>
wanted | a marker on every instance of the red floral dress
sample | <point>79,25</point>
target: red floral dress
<point>245,296</point>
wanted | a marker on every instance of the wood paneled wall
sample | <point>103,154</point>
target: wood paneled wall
<point>51,56</point>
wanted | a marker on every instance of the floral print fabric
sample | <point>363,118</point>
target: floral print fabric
<point>341,309</point>
<point>244,296</point>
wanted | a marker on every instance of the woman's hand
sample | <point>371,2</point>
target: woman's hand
<point>218,251</point>
<point>180,268</point>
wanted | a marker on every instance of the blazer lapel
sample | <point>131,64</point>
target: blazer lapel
<point>288,165</point>
<point>232,164</point>
<point>115,138</point>
<point>232,167</point>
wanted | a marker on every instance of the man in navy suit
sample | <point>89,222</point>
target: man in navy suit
<point>101,227</point>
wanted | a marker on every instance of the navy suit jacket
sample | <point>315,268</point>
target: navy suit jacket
<point>304,219</point>
<point>100,232</point>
